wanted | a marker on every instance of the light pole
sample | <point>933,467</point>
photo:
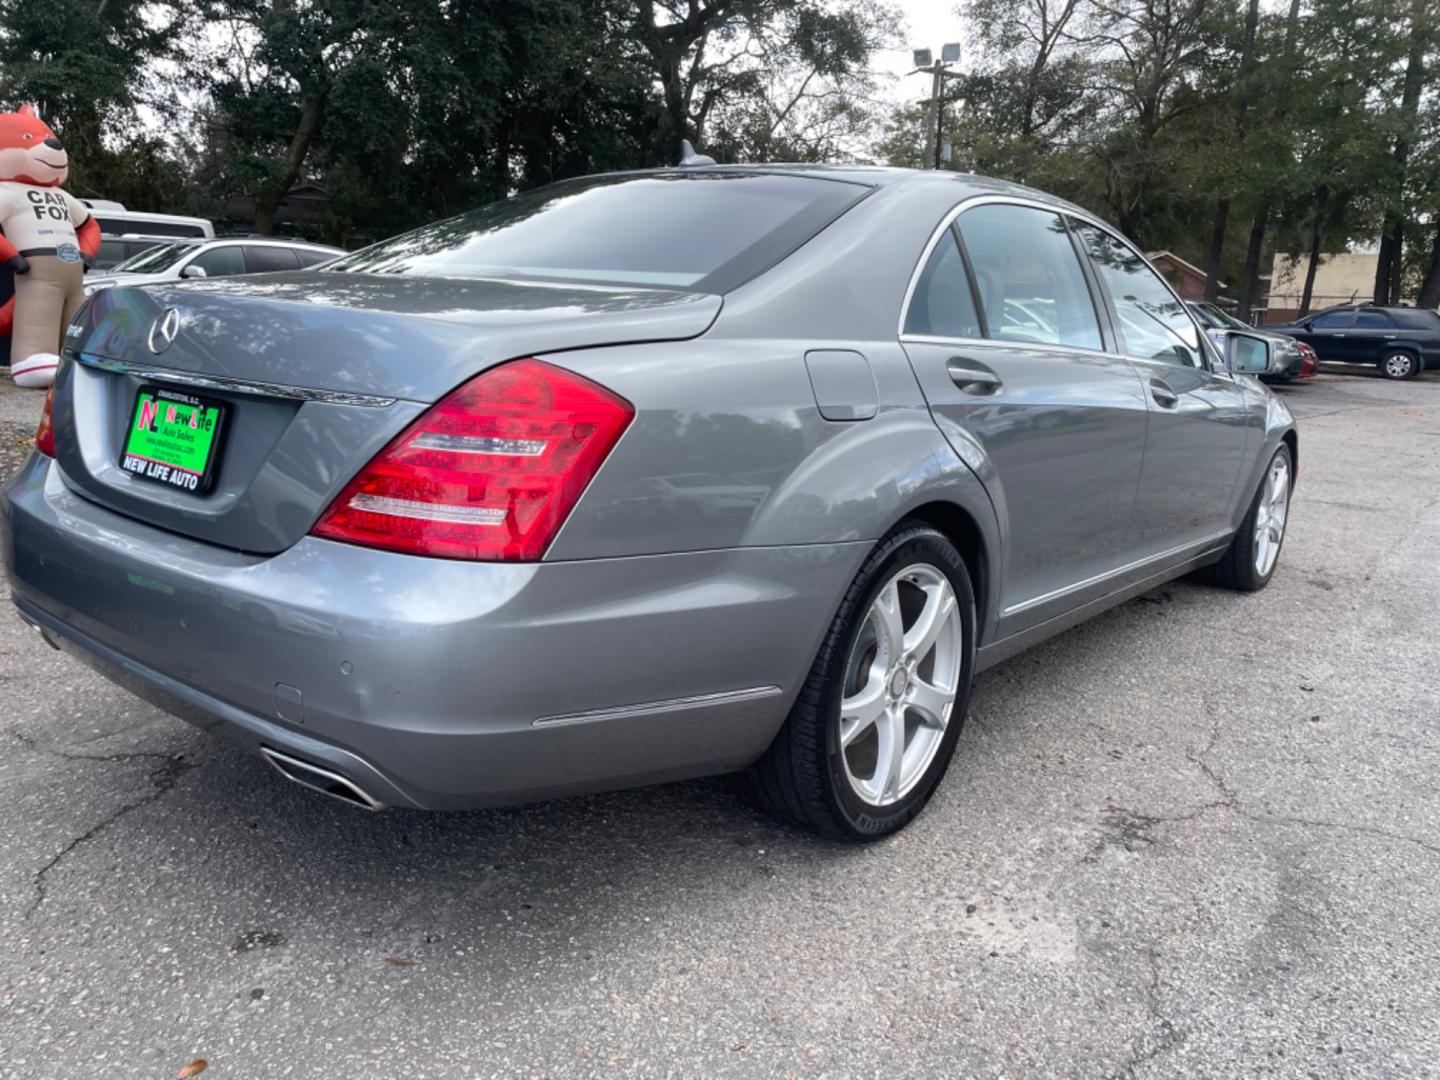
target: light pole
<point>934,115</point>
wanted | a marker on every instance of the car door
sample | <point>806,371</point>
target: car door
<point>1200,425</point>
<point>1004,335</point>
<point>1327,333</point>
<point>1366,339</point>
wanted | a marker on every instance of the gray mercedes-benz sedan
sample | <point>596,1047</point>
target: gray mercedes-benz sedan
<point>640,477</point>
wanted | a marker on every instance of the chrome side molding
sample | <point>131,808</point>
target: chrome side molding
<point>1196,546</point>
<point>653,708</point>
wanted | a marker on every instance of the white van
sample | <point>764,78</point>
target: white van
<point>116,222</point>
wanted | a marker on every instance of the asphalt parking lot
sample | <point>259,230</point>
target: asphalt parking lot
<point>1198,836</point>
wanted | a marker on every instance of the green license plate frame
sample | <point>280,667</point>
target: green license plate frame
<point>174,439</point>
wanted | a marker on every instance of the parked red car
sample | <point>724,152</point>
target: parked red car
<point>1309,361</point>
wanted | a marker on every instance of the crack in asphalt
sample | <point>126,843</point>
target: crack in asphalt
<point>1132,828</point>
<point>31,744</point>
<point>1169,1035</point>
<point>163,780</point>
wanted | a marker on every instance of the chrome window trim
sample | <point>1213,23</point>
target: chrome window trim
<point>1035,204</point>
<point>228,385</point>
<point>654,708</point>
<point>1097,579</point>
<point>1004,343</point>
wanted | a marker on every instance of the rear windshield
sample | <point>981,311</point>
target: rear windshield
<point>706,232</point>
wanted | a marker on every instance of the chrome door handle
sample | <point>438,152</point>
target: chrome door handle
<point>972,376</point>
<point>1337,334</point>
<point>1163,395</point>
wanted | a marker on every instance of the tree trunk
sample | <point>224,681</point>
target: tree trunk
<point>267,203</point>
<point>1217,250</point>
<point>1317,233</point>
<point>1430,290</point>
<point>1397,262</point>
<point>1251,277</point>
<point>1384,260</point>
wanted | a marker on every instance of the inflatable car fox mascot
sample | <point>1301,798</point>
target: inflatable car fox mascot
<point>47,236</point>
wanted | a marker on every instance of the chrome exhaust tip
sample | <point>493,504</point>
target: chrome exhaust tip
<point>319,779</point>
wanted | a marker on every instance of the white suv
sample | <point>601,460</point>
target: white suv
<point>211,258</point>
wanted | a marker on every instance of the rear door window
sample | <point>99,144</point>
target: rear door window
<point>1031,286</point>
<point>942,304</point>
<point>266,260</point>
<point>1152,322</point>
<point>1372,320</point>
<point>703,231</point>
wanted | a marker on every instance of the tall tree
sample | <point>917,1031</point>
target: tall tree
<point>1389,264</point>
<point>84,64</point>
<point>1153,49</point>
<point>1244,93</point>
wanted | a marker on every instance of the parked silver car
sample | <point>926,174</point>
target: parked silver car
<point>641,477</point>
<point>199,258</point>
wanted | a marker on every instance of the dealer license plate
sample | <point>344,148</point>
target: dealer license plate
<point>173,439</point>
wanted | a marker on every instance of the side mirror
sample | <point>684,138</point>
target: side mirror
<point>193,271</point>
<point>1248,354</point>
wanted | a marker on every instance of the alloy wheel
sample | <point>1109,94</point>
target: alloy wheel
<point>900,684</point>
<point>1270,515</point>
<point>1397,365</point>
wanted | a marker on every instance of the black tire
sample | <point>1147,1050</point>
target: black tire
<point>801,777</point>
<point>1391,367</point>
<point>1236,568</point>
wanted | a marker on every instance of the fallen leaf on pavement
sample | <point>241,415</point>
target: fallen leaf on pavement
<point>195,1068</point>
<point>398,961</point>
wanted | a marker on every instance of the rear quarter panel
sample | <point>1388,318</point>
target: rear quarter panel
<point>728,447</point>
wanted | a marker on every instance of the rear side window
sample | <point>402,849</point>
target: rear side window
<point>266,260</point>
<point>1153,324</point>
<point>943,305</point>
<point>1416,318</point>
<point>702,231</point>
<point>1333,320</point>
<point>1029,277</point>
<point>1372,320</point>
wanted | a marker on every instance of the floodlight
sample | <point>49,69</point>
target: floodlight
<point>922,58</point>
<point>950,53</point>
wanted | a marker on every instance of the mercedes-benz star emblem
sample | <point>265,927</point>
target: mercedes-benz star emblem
<point>163,330</point>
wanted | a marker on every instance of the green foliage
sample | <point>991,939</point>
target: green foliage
<point>1193,124</point>
<point>1171,116</point>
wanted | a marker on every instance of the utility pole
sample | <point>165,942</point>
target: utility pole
<point>935,108</point>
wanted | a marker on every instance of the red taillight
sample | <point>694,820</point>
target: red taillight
<point>491,472</point>
<point>45,433</point>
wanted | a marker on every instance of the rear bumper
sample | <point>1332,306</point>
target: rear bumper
<point>427,682</point>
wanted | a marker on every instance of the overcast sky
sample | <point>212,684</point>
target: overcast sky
<point>931,24</point>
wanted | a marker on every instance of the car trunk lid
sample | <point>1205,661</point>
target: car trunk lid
<point>315,373</point>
